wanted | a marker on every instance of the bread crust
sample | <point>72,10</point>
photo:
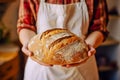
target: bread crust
<point>50,32</point>
<point>62,42</point>
<point>67,49</point>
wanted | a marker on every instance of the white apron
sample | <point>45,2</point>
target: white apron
<point>75,18</point>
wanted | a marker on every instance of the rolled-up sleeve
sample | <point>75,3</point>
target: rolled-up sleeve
<point>100,18</point>
<point>27,15</point>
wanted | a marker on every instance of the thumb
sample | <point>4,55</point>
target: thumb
<point>91,51</point>
<point>26,51</point>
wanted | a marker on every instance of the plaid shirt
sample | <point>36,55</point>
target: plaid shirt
<point>97,13</point>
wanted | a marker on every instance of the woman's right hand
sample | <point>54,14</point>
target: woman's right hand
<point>25,35</point>
<point>26,51</point>
<point>29,54</point>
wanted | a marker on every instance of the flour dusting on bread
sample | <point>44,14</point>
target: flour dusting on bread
<point>58,47</point>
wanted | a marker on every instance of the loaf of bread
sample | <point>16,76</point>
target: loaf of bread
<point>58,47</point>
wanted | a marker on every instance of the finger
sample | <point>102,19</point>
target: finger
<point>67,66</point>
<point>91,51</point>
<point>26,51</point>
<point>75,64</point>
<point>72,65</point>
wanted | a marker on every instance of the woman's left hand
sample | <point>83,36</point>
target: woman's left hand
<point>91,52</point>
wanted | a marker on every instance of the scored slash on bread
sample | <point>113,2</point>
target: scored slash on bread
<point>58,47</point>
<point>51,32</point>
<point>62,42</point>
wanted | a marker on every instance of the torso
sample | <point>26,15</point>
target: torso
<point>70,16</point>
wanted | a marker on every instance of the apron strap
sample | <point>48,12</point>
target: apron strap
<point>42,0</point>
<point>82,0</point>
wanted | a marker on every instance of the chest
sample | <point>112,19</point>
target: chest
<point>90,4</point>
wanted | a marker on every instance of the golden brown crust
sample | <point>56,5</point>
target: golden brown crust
<point>62,42</point>
<point>59,49</point>
<point>58,41</point>
<point>32,44</point>
<point>50,32</point>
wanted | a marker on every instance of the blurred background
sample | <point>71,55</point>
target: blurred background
<point>12,60</point>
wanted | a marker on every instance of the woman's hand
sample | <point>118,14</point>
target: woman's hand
<point>73,65</point>
<point>25,35</point>
<point>30,54</point>
<point>26,51</point>
<point>91,52</point>
<point>93,40</point>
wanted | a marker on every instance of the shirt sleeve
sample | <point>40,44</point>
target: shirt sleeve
<point>27,15</point>
<point>100,18</point>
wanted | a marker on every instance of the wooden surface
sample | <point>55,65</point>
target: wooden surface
<point>10,69</point>
<point>9,62</point>
<point>8,52</point>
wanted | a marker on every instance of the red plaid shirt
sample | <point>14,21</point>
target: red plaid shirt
<point>97,13</point>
